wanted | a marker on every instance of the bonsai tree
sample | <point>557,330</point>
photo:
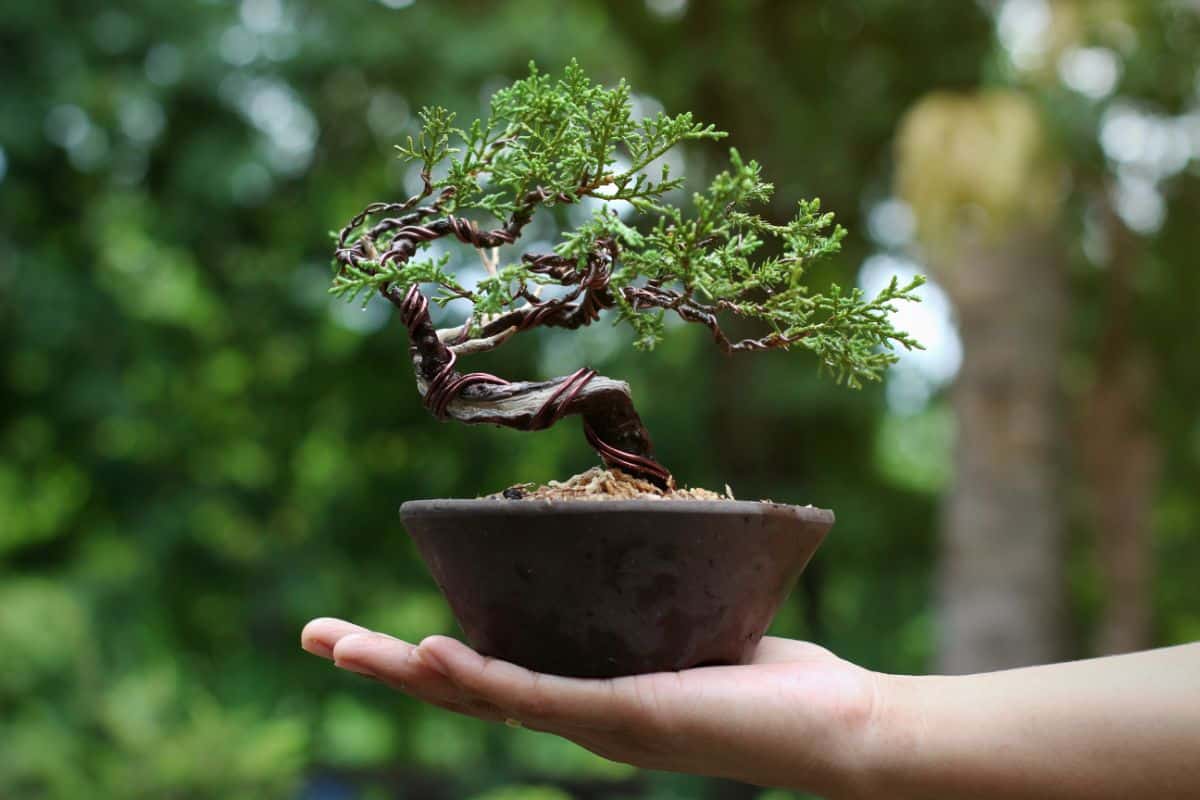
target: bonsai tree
<point>551,142</point>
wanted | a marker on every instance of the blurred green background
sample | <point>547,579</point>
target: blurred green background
<point>200,450</point>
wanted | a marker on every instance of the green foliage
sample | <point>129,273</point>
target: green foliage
<point>551,142</point>
<point>557,136</point>
<point>154,724</point>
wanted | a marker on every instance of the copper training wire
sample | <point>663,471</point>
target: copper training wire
<point>630,462</point>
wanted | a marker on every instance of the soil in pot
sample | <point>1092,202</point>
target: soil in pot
<point>604,575</point>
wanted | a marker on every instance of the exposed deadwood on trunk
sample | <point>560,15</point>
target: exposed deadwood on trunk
<point>606,405</point>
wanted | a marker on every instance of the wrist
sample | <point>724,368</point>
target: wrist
<point>882,751</point>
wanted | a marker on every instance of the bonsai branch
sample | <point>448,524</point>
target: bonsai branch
<point>691,310</point>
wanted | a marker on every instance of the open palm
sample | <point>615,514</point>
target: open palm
<point>792,716</point>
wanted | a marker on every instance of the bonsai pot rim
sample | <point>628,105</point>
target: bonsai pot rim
<point>540,507</point>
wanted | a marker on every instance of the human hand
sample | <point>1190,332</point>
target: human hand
<point>795,716</point>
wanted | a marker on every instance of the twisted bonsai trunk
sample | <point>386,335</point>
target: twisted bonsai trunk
<point>611,424</point>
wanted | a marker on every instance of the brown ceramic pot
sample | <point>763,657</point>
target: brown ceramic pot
<point>614,587</point>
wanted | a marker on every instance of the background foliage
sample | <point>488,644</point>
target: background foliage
<point>200,450</point>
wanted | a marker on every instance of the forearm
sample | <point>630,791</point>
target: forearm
<point>1123,726</point>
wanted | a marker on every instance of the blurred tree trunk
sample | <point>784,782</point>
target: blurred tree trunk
<point>1120,458</point>
<point>986,193</point>
<point>1001,574</point>
<point>1119,455</point>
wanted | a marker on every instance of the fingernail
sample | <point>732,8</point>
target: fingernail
<point>351,666</point>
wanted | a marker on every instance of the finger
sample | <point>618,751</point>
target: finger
<point>391,660</point>
<point>320,635</point>
<point>545,701</point>
<point>398,664</point>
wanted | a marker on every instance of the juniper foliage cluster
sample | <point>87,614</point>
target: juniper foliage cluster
<point>551,142</point>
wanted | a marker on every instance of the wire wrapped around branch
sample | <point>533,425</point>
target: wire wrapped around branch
<point>629,462</point>
<point>446,384</point>
<point>578,308</point>
<point>553,409</point>
<point>409,230</point>
<point>690,310</point>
